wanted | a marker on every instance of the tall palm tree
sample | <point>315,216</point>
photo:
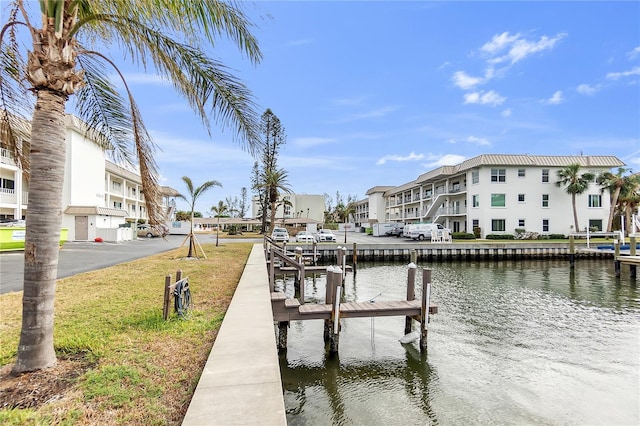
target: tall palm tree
<point>629,199</point>
<point>275,182</point>
<point>219,210</point>
<point>575,184</point>
<point>195,193</point>
<point>344,211</point>
<point>169,37</point>
<point>614,184</point>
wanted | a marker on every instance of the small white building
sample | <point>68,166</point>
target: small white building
<point>299,206</point>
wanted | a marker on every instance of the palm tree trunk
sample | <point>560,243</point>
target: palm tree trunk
<point>42,239</point>
<point>612,207</point>
<point>575,212</point>
<point>273,216</point>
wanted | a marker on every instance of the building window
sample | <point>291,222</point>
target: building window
<point>545,200</point>
<point>475,200</point>
<point>475,223</point>
<point>498,200</point>
<point>545,225</point>
<point>522,172</point>
<point>475,176</point>
<point>595,200</point>
<point>117,205</point>
<point>7,184</point>
<point>498,175</point>
<point>521,223</point>
<point>521,198</point>
<point>545,175</point>
<point>595,225</point>
<point>498,225</point>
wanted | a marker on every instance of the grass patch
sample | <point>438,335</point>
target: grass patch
<point>119,362</point>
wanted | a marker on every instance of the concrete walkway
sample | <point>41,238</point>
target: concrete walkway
<point>240,384</point>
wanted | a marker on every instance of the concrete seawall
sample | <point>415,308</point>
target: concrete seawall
<point>240,383</point>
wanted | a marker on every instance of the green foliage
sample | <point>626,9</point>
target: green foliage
<point>477,231</point>
<point>463,236</point>
<point>500,237</point>
<point>117,386</point>
<point>369,231</point>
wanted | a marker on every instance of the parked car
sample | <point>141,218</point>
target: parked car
<point>280,234</point>
<point>395,232</point>
<point>149,231</point>
<point>422,231</point>
<point>325,235</point>
<point>304,237</point>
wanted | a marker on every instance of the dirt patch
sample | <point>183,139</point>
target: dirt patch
<point>33,389</point>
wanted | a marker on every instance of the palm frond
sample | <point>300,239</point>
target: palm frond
<point>16,103</point>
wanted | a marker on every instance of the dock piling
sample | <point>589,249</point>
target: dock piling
<point>572,252</point>
<point>616,263</point>
<point>411,294</point>
<point>426,301</point>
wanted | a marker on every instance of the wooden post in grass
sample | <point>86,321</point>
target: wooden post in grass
<point>168,293</point>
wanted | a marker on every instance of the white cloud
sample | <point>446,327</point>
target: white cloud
<point>478,141</point>
<point>586,89</point>
<point>617,75</point>
<point>499,42</point>
<point>634,53</point>
<point>393,157</point>
<point>311,141</point>
<point>506,113</point>
<point>444,160</point>
<point>484,98</point>
<point>555,99</point>
<point>464,81</point>
<point>376,113</point>
<point>518,47</point>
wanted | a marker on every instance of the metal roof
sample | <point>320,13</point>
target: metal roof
<point>95,210</point>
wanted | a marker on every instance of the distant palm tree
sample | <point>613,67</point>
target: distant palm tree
<point>194,194</point>
<point>170,38</point>
<point>219,211</point>
<point>614,183</point>
<point>629,199</point>
<point>275,182</point>
<point>344,211</point>
<point>575,184</point>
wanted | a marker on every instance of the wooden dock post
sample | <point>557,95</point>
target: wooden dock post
<point>411,294</point>
<point>334,336</point>
<point>355,258</point>
<point>632,252</point>
<point>283,327</point>
<point>616,262</point>
<point>299,277</point>
<point>272,271</point>
<point>426,301</point>
<point>328,299</point>
<point>413,256</point>
<point>572,252</point>
<point>315,253</point>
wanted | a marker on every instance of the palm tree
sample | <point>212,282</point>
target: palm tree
<point>219,210</point>
<point>194,194</point>
<point>168,37</point>
<point>343,212</point>
<point>614,184</point>
<point>629,199</point>
<point>274,182</point>
<point>575,184</point>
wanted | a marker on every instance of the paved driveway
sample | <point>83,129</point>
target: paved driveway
<point>77,257</point>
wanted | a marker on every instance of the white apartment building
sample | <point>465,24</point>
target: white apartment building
<point>298,206</point>
<point>499,194</point>
<point>98,195</point>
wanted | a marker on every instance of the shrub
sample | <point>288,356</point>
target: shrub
<point>477,231</point>
<point>369,231</point>
<point>500,237</point>
<point>553,237</point>
<point>463,236</point>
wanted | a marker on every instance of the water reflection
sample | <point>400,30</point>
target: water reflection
<point>515,342</point>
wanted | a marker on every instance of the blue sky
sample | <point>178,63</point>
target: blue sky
<point>376,93</point>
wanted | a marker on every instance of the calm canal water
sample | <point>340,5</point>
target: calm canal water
<point>514,343</point>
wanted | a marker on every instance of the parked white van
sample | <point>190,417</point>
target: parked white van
<point>423,231</point>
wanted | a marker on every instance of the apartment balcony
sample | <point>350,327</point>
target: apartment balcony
<point>6,157</point>
<point>8,196</point>
<point>451,211</point>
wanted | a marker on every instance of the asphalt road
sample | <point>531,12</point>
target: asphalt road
<point>77,257</point>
